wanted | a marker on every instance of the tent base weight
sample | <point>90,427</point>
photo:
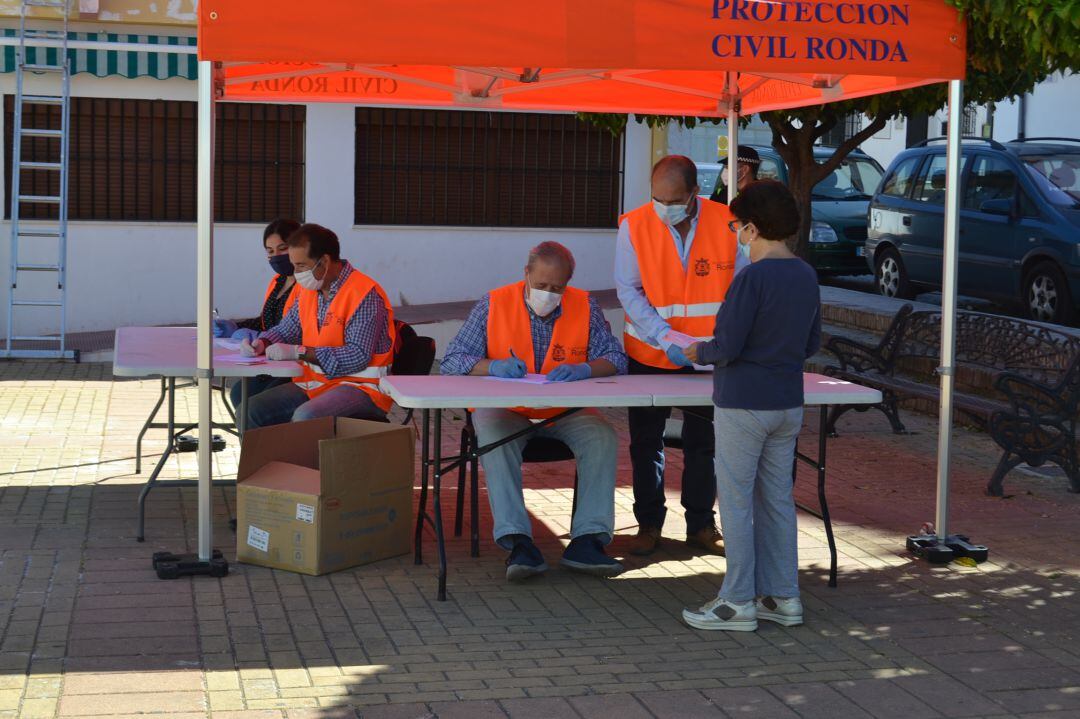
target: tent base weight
<point>942,551</point>
<point>173,566</point>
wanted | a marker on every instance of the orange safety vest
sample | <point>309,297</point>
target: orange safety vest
<point>508,327</point>
<point>686,298</point>
<point>332,334</point>
<point>289,301</point>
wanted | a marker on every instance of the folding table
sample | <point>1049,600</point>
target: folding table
<point>440,393</point>
<point>169,353</point>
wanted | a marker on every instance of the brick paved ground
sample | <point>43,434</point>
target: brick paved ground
<point>87,629</point>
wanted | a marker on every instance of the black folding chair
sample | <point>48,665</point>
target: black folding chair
<point>537,450</point>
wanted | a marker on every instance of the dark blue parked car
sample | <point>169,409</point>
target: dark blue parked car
<point>1019,224</point>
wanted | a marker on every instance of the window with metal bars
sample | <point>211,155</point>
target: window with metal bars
<point>135,160</point>
<point>844,130</point>
<point>491,169</point>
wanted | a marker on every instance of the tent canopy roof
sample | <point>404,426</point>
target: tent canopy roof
<point>645,56</point>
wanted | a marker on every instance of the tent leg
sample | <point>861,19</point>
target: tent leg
<point>941,546</point>
<point>732,84</point>
<point>207,561</point>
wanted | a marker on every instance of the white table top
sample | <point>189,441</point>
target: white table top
<point>444,392</point>
<point>437,392</point>
<point>170,352</point>
<point>696,390</point>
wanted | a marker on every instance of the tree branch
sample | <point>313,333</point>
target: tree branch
<point>875,126</point>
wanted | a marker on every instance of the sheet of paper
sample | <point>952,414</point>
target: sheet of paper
<point>683,340</point>
<point>680,339</point>
<point>237,358</point>
<point>527,379</point>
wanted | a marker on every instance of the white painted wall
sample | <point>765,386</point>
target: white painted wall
<point>1053,110</point>
<point>143,273</point>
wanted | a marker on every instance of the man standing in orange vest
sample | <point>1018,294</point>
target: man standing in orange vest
<point>340,330</point>
<point>674,260</point>
<point>542,325</point>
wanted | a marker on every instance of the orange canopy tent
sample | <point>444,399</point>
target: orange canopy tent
<point>673,57</point>
<point>645,56</point>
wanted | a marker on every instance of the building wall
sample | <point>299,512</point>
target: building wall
<point>144,273</point>
<point>1052,109</point>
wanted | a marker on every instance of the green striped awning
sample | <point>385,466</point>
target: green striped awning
<point>103,63</point>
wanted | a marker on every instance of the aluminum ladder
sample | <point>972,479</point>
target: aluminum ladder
<point>50,237</point>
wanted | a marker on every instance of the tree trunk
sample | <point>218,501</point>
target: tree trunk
<point>796,146</point>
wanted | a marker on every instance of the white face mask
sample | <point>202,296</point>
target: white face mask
<point>543,303</point>
<point>307,280</point>
<point>670,214</point>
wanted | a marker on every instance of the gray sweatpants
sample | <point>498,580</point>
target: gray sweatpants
<point>755,450</point>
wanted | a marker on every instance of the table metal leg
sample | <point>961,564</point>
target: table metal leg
<point>459,516</point>
<point>822,441</point>
<point>474,498</point>
<point>436,488</point>
<point>241,421</point>
<point>146,425</point>
<point>421,512</point>
<point>152,479</point>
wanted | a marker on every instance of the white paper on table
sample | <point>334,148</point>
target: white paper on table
<point>227,344</point>
<point>527,379</point>
<point>237,358</point>
<point>683,340</point>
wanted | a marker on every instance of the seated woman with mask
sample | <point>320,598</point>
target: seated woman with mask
<point>281,293</point>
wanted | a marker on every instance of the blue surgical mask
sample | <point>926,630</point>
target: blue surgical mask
<point>744,249</point>
<point>281,265</point>
<point>671,214</point>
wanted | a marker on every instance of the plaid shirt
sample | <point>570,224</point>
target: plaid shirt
<point>470,345</point>
<point>367,333</point>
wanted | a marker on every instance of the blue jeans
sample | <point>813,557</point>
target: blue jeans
<point>755,451</point>
<point>289,403</point>
<point>255,385</point>
<point>646,426</point>
<point>594,444</point>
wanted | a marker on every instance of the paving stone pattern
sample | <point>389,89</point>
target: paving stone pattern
<point>87,630</point>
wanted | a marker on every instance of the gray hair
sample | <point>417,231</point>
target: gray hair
<point>552,252</point>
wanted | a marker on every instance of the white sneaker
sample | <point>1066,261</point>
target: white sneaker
<point>787,612</point>
<point>720,614</point>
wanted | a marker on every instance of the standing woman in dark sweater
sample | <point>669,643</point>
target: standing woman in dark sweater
<point>768,326</point>
<point>281,293</point>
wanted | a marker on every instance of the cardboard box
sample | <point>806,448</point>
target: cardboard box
<point>315,497</point>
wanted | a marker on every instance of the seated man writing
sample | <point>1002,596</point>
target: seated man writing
<point>542,325</point>
<point>340,329</point>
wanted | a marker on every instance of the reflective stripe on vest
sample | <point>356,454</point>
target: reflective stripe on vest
<point>509,327</point>
<point>294,292</point>
<point>686,298</point>
<point>346,302</point>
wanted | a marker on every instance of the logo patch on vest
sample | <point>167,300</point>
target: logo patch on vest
<point>702,267</point>
<point>558,353</point>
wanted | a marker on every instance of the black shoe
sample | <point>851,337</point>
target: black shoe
<point>524,561</point>
<point>586,554</point>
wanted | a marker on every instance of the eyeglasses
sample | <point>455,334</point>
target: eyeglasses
<point>733,225</point>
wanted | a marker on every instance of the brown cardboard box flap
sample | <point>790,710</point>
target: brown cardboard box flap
<point>285,477</point>
<point>369,452</point>
<point>293,442</point>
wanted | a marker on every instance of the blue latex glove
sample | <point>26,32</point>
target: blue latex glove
<point>512,368</point>
<point>224,328</point>
<point>245,334</point>
<point>570,373</point>
<point>677,356</point>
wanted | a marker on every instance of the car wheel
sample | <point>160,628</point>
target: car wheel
<point>891,275</point>
<point>1046,294</point>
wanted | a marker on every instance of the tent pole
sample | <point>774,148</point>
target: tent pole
<point>732,86</point>
<point>940,546</point>
<point>208,560</point>
<point>205,303</point>
<point>948,303</point>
